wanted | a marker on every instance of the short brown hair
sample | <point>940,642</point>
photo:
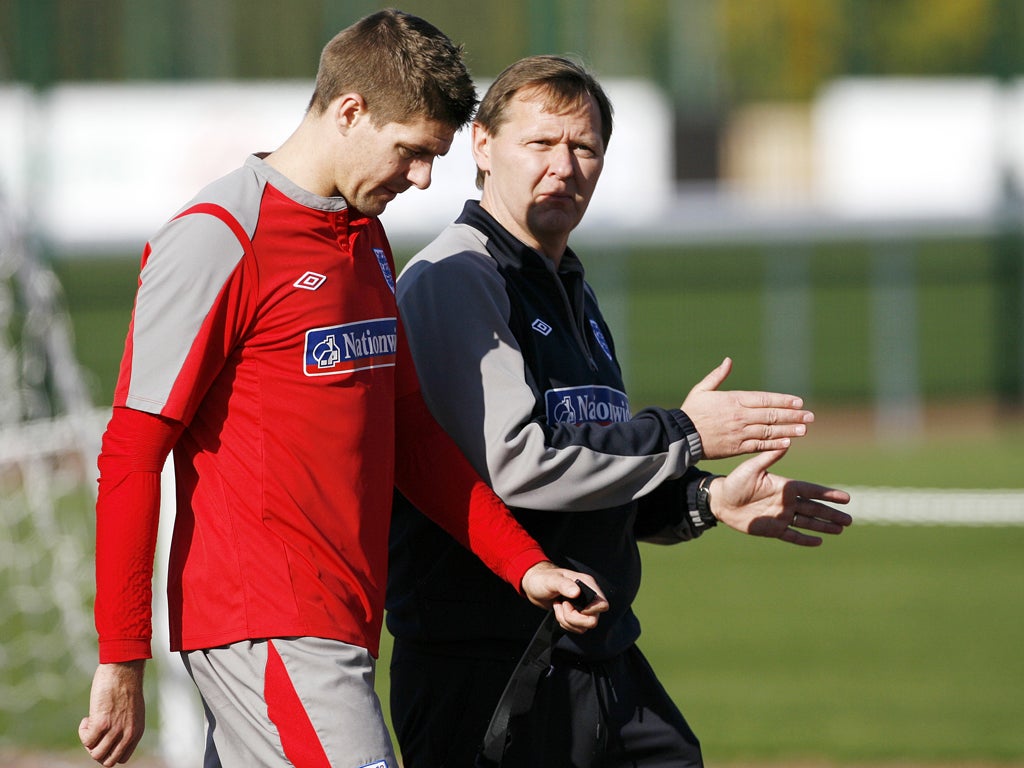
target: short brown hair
<point>561,81</point>
<point>404,68</point>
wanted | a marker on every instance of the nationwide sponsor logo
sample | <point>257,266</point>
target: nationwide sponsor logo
<point>310,281</point>
<point>601,340</point>
<point>351,347</point>
<point>385,268</point>
<point>541,327</point>
<point>592,403</point>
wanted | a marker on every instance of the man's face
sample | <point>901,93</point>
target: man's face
<point>381,162</point>
<point>541,169</point>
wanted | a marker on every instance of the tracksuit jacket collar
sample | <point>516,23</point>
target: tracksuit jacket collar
<point>510,250</point>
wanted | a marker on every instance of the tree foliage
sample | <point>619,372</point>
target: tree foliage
<point>753,49</point>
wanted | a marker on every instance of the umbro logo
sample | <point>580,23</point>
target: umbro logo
<point>541,327</point>
<point>310,281</point>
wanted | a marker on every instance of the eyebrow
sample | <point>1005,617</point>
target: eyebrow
<point>540,134</point>
<point>421,149</point>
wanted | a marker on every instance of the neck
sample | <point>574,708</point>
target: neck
<point>550,250</point>
<point>556,260</point>
<point>553,252</point>
<point>298,158</point>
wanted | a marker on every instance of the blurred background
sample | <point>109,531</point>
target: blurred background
<point>828,191</point>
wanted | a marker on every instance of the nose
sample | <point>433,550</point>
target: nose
<point>419,173</point>
<point>561,161</point>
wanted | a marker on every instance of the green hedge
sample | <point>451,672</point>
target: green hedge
<point>677,311</point>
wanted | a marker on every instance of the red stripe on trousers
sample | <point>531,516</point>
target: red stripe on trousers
<point>298,738</point>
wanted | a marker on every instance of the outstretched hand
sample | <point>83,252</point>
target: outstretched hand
<point>752,500</point>
<point>731,423</point>
<point>548,586</point>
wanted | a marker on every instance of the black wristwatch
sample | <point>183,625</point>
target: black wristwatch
<point>707,517</point>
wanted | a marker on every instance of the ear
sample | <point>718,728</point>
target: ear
<point>481,144</point>
<point>347,110</point>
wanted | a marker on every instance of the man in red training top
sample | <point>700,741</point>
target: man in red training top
<point>266,351</point>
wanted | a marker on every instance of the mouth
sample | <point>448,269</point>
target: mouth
<point>557,197</point>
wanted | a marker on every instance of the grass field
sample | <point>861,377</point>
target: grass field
<point>889,645</point>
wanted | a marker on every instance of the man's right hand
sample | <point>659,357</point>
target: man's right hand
<point>117,713</point>
<point>732,423</point>
<point>550,587</point>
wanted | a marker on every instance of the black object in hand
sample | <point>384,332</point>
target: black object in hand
<point>585,598</point>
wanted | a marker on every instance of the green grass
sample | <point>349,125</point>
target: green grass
<point>887,643</point>
<point>689,308</point>
<point>950,460</point>
<point>99,293</point>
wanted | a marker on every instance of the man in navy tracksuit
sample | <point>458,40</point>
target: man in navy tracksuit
<point>518,365</point>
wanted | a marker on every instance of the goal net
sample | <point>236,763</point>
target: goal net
<point>49,436</point>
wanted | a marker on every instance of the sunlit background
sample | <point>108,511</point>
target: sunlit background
<point>829,191</point>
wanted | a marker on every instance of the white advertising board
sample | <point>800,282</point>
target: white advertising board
<point>898,148</point>
<point>115,161</point>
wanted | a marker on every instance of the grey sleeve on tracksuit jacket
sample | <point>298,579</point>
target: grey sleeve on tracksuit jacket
<point>455,310</point>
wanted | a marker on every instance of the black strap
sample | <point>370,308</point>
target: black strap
<point>522,685</point>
